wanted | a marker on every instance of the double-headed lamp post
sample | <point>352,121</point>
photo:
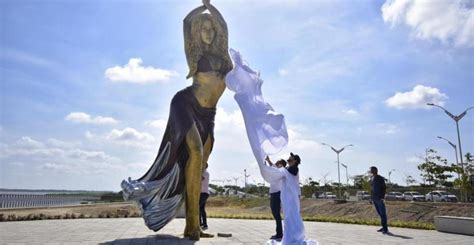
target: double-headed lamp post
<point>246,176</point>
<point>390,173</point>
<point>347,176</point>
<point>338,167</point>
<point>456,119</point>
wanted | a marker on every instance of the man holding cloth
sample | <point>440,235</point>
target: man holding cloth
<point>275,201</point>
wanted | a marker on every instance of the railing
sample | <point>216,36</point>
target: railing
<point>16,200</point>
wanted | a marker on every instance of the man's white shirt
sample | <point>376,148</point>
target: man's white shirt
<point>275,186</point>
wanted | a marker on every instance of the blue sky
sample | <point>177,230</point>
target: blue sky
<point>86,85</point>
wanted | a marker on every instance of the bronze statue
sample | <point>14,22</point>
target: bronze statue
<point>188,139</point>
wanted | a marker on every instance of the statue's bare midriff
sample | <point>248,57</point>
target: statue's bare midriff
<point>208,87</point>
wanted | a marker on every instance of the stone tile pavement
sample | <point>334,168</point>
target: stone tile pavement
<point>133,231</point>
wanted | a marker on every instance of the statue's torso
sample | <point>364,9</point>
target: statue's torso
<point>208,87</point>
<point>208,84</point>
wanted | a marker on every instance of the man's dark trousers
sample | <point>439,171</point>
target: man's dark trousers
<point>380,207</point>
<point>202,208</point>
<point>275,204</point>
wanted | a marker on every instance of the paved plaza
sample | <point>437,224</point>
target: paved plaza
<point>133,231</point>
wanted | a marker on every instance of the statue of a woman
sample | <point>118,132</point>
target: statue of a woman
<point>188,139</point>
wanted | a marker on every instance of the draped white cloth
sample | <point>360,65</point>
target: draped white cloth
<point>267,134</point>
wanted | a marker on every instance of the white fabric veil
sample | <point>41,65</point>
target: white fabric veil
<point>267,134</point>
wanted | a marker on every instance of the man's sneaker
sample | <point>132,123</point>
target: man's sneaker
<point>385,232</point>
<point>204,227</point>
<point>380,230</point>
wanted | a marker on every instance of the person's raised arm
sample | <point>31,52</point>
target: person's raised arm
<point>215,13</point>
<point>269,161</point>
<point>193,13</point>
<point>189,17</point>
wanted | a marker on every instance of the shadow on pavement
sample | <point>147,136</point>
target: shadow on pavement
<point>399,236</point>
<point>155,239</point>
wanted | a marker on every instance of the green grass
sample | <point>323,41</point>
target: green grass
<point>237,202</point>
<point>343,220</point>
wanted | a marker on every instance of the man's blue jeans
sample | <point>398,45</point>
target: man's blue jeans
<point>380,207</point>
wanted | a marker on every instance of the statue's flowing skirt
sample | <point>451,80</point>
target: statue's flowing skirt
<point>160,191</point>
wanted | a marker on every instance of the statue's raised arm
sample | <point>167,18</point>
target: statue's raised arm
<point>187,20</point>
<point>206,41</point>
<point>216,13</point>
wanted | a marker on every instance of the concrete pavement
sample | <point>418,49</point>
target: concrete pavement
<point>133,231</point>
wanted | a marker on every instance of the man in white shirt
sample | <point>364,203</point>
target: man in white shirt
<point>275,201</point>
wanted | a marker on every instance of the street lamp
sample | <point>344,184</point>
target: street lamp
<point>453,145</point>
<point>455,153</point>
<point>338,167</point>
<point>347,176</point>
<point>390,173</point>
<point>246,176</point>
<point>236,179</point>
<point>456,119</point>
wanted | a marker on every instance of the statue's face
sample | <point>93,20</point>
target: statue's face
<point>207,32</point>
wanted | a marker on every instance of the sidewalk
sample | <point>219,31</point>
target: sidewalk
<point>133,231</point>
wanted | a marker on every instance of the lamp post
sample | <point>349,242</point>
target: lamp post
<point>246,176</point>
<point>454,147</point>
<point>390,173</point>
<point>456,119</point>
<point>455,153</point>
<point>347,176</point>
<point>338,167</point>
<point>236,179</point>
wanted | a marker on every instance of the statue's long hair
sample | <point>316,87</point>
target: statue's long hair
<point>195,48</point>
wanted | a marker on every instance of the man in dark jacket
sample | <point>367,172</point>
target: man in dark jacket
<point>377,194</point>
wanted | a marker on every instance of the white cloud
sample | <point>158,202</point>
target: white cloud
<point>159,124</point>
<point>89,135</point>
<point>129,135</point>
<point>445,20</point>
<point>89,155</point>
<point>283,72</point>
<point>350,112</point>
<point>82,117</point>
<point>56,155</point>
<point>123,137</point>
<point>134,72</point>
<point>417,98</point>
<point>301,144</point>
<point>228,120</point>
<point>26,142</point>
<point>413,159</point>
<point>387,128</point>
<point>59,143</point>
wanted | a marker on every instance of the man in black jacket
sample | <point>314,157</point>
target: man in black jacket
<point>378,190</point>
